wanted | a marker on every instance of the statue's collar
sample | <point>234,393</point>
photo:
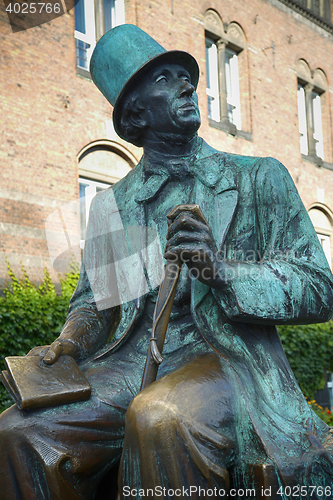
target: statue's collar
<point>157,172</point>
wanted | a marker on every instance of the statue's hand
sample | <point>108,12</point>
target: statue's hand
<point>51,353</point>
<point>191,240</point>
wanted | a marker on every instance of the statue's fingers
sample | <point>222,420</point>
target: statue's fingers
<point>185,251</point>
<point>186,222</point>
<point>194,210</point>
<point>187,237</point>
<point>55,350</point>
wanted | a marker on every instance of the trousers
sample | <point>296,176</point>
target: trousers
<point>189,429</point>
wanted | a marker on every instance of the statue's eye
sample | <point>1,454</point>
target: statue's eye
<point>161,78</point>
<point>185,78</point>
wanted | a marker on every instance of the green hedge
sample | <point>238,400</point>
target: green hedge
<point>33,315</point>
<point>309,349</point>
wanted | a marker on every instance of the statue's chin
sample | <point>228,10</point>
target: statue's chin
<point>177,138</point>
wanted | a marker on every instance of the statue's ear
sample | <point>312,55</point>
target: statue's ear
<point>137,119</point>
<point>133,113</point>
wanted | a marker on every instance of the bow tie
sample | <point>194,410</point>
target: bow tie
<point>158,174</point>
<point>174,169</point>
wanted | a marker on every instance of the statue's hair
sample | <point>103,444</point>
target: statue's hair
<point>131,128</point>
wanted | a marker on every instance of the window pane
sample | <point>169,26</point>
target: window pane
<point>232,83</point>
<point>316,7</point>
<point>83,216</point>
<point>109,14</point>
<point>88,189</point>
<point>80,24</point>
<point>302,123</point>
<point>326,246</point>
<point>317,125</point>
<point>82,54</point>
<point>84,32</point>
<point>212,80</point>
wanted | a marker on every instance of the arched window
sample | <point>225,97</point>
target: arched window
<point>101,164</point>
<point>321,221</point>
<point>310,100</point>
<point>225,73</point>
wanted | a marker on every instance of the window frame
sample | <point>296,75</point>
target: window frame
<point>325,242</point>
<point>97,179</point>
<point>310,117</point>
<point>95,27</point>
<point>93,187</point>
<point>212,80</point>
<point>323,228</point>
<point>232,87</point>
<point>227,40</point>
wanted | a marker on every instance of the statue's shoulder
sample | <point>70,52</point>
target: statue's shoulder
<point>241,163</point>
<point>236,161</point>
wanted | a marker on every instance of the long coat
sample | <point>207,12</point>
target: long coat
<point>278,274</point>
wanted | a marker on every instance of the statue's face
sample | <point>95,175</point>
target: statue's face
<point>170,100</point>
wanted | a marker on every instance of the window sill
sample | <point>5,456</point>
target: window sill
<point>230,129</point>
<point>84,73</point>
<point>316,160</point>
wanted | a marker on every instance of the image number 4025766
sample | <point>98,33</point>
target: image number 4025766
<point>25,14</point>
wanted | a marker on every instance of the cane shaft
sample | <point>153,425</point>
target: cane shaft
<point>161,319</point>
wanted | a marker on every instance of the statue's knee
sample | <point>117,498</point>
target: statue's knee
<point>10,424</point>
<point>5,427</point>
<point>152,417</point>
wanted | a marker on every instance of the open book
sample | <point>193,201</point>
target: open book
<point>33,384</point>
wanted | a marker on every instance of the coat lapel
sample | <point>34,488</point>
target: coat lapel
<point>124,246</point>
<point>218,203</point>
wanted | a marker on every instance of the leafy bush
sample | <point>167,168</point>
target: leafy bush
<point>309,349</point>
<point>31,315</point>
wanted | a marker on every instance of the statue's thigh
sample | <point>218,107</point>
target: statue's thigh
<point>198,397</point>
<point>202,389</point>
<point>184,420</point>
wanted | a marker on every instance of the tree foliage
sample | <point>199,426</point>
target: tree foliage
<point>31,315</point>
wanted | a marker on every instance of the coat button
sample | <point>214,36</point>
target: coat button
<point>227,328</point>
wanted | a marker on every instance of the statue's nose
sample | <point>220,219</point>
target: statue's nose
<point>187,89</point>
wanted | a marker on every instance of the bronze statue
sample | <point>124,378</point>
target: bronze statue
<point>226,413</point>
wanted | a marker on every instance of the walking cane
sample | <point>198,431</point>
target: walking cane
<point>163,308</point>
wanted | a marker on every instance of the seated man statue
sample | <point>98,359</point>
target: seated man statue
<point>225,413</point>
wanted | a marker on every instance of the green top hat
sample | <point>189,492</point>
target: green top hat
<point>122,55</point>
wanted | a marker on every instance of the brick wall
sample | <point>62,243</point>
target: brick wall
<point>49,113</point>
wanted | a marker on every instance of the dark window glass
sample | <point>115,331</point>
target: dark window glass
<point>81,54</point>
<point>316,7</point>
<point>109,14</point>
<point>80,23</point>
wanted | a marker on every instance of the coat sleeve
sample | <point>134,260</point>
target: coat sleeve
<point>89,325</point>
<point>292,283</point>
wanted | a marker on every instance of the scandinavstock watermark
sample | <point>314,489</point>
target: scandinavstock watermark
<point>125,262</point>
<point>121,264</point>
<point>25,14</point>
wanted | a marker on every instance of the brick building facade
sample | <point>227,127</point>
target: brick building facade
<point>266,76</point>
